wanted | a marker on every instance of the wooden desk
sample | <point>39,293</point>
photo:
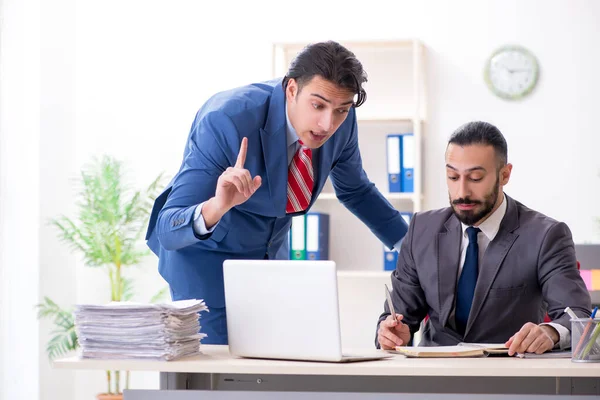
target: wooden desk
<point>216,369</point>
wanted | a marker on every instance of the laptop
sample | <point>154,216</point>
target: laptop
<point>279,309</point>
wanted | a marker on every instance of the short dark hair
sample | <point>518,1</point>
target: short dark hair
<point>333,62</point>
<point>479,132</point>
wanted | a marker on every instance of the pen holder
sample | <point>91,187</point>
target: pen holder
<point>585,340</point>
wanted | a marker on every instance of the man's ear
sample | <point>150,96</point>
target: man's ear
<point>505,174</point>
<point>291,89</point>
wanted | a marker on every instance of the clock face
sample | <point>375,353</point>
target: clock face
<point>511,72</point>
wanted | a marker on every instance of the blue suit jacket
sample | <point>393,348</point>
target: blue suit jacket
<point>193,266</point>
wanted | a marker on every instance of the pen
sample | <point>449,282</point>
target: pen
<point>571,313</point>
<point>389,302</point>
<point>590,345</point>
<point>574,326</point>
<point>579,351</point>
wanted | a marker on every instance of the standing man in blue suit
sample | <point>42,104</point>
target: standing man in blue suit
<point>255,157</point>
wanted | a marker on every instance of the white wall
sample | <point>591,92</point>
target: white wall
<point>552,135</point>
<point>143,69</point>
<point>58,266</point>
<point>19,198</point>
<point>127,77</point>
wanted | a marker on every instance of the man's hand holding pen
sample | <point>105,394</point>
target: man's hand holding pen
<point>393,332</point>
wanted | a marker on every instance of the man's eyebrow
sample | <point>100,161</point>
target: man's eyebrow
<point>329,101</point>
<point>468,170</point>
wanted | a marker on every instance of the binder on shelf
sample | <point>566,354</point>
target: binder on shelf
<point>586,275</point>
<point>298,238</point>
<point>407,168</point>
<point>596,279</point>
<point>394,152</point>
<point>390,259</point>
<point>317,236</point>
<point>401,162</point>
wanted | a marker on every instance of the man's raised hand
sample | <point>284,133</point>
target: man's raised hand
<point>234,187</point>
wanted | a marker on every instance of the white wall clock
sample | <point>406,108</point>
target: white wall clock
<point>511,72</point>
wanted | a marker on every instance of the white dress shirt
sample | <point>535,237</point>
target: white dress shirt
<point>489,229</point>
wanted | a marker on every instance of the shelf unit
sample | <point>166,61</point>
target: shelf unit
<point>389,196</point>
<point>395,104</point>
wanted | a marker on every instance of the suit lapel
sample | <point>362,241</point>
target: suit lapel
<point>448,259</point>
<point>274,146</point>
<point>492,260</point>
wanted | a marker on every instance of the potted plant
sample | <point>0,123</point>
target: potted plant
<point>111,220</point>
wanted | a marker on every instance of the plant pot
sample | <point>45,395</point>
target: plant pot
<point>108,396</point>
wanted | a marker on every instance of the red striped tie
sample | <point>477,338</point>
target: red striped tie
<point>300,180</point>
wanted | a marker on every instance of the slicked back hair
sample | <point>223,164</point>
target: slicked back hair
<point>334,63</point>
<point>484,133</point>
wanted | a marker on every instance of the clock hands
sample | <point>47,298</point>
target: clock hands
<point>517,70</point>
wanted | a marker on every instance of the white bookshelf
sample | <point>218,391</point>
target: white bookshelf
<point>389,196</point>
<point>395,104</point>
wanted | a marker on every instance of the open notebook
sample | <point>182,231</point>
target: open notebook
<point>461,350</point>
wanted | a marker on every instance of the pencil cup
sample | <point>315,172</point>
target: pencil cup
<point>585,340</point>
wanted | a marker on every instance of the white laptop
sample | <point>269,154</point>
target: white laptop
<point>285,310</point>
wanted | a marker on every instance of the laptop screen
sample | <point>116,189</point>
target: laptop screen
<point>282,309</point>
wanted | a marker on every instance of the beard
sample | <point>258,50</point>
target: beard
<point>470,217</point>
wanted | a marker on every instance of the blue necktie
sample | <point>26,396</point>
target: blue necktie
<point>467,281</point>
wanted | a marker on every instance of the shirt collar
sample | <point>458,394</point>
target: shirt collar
<point>491,225</point>
<point>291,135</point>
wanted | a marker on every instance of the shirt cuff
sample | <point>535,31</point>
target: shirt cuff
<point>564,336</point>
<point>199,224</point>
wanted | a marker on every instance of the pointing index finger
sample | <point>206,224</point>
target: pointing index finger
<point>241,159</point>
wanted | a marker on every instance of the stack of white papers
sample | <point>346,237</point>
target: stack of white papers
<point>120,330</point>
